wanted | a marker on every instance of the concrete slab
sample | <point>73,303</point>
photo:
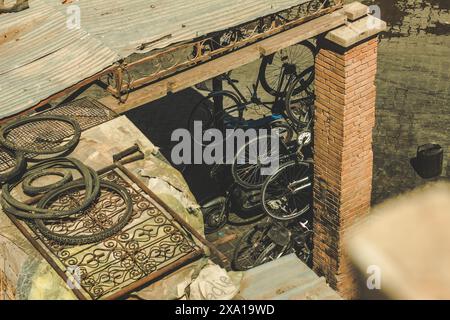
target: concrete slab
<point>354,32</point>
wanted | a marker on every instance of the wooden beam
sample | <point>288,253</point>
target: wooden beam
<point>213,68</point>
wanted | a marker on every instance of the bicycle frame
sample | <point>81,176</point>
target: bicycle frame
<point>254,99</point>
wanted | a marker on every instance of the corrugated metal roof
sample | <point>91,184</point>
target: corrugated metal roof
<point>125,25</point>
<point>41,56</point>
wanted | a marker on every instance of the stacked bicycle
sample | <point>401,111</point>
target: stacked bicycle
<point>284,195</point>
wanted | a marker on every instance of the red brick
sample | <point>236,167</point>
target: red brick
<point>345,117</point>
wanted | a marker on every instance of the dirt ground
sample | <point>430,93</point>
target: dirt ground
<point>413,105</point>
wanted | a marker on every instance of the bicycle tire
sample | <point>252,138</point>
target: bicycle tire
<point>247,242</point>
<point>304,103</point>
<point>286,131</point>
<point>31,190</point>
<point>20,122</point>
<point>86,239</point>
<point>19,166</point>
<point>281,182</point>
<point>214,214</point>
<point>268,60</point>
<point>22,210</point>
<point>248,175</point>
<point>262,258</point>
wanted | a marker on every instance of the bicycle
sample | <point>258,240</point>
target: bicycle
<point>216,210</point>
<point>249,160</point>
<point>276,74</point>
<point>271,240</point>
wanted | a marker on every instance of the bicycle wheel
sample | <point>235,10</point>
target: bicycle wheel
<point>253,157</point>
<point>204,117</point>
<point>301,56</point>
<point>300,99</point>
<point>252,248</point>
<point>287,194</point>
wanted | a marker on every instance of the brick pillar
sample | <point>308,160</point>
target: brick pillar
<point>344,119</point>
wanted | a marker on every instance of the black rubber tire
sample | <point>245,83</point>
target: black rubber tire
<point>22,210</point>
<point>287,132</point>
<point>236,168</point>
<point>287,174</point>
<point>19,167</point>
<point>306,99</point>
<point>31,190</point>
<point>250,242</point>
<point>85,239</point>
<point>268,60</point>
<point>17,123</point>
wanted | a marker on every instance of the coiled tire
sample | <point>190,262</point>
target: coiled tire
<point>89,177</point>
<point>21,122</point>
<point>19,166</point>
<point>29,189</point>
<point>46,201</point>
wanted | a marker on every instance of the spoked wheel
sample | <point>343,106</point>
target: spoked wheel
<point>300,99</point>
<point>204,117</point>
<point>298,57</point>
<point>255,248</point>
<point>215,214</point>
<point>287,194</point>
<point>252,162</point>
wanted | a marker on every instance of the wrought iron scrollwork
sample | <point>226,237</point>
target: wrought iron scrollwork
<point>172,59</point>
<point>150,241</point>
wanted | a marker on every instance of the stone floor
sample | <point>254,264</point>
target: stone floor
<point>413,91</point>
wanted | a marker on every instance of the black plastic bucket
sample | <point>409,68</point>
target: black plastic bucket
<point>429,160</point>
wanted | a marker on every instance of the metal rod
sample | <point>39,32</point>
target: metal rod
<point>175,215</point>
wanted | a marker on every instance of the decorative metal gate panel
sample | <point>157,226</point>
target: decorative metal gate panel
<point>150,246</point>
